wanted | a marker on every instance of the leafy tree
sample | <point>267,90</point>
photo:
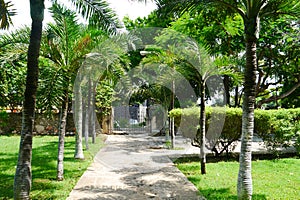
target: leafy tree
<point>221,35</point>
<point>278,54</point>
<point>152,20</point>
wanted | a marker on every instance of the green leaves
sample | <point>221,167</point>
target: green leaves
<point>98,13</point>
<point>20,36</point>
<point>6,11</point>
<point>276,8</point>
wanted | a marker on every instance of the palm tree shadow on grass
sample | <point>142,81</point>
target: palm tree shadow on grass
<point>43,168</point>
<point>7,179</point>
<point>224,193</point>
<point>221,193</point>
<point>44,161</point>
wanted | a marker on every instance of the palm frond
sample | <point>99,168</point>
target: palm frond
<point>282,7</point>
<point>20,36</point>
<point>62,35</point>
<point>6,11</point>
<point>98,13</point>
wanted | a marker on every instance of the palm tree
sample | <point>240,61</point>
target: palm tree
<point>6,11</point>
<point>68,43</point>
<point>94,11</point>
<point>22,182</point>
<point>194,64</point>
<point>64,39</point>
<point>252,11</point>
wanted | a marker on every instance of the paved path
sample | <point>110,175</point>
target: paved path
<point>135,167</point>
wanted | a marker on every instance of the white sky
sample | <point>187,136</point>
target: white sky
<point>131,8</point>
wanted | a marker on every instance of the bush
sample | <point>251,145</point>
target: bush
<point>277,128</point>
<point>219,137</point>
<point>3,120</point>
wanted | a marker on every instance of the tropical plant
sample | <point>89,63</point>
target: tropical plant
<point>6,11</point>
<point>251,11</point>
<point>64,37</point>
<point>22,183</point>
<point>96,9</point>
<point>194,65</point>
<point>13,49</point>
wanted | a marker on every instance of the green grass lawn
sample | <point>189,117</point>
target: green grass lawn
<point>44,158</point>
<point>272,179</point>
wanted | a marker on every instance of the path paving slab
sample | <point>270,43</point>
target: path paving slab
<point>135,167</point>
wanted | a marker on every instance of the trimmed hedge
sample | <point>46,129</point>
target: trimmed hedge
<point>277,128</point>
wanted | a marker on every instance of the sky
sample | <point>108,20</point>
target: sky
<point>131,8</point>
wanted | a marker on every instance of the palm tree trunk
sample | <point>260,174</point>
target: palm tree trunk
<point>22,180</point>
<point>85,122</point>
<point>236,96</point>
<point>93,116</point>
<point>244,186</point>
<point>110,121</point>
<point>226,82</point>
<point>78,118</point>
<point>149,124</point>
<point>202,128</point>
<point>61,140</point>
<point>89,109</point>
<point>172,133</point>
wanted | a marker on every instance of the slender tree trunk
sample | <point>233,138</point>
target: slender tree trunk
<point>236,97</point>
<point>78,110</point>
<point>61,140</point>
<point>201,130</point>
<point>89,110</point>
<point>110,121</point>
<point>85,122</point>
<point>93,116</point>
<point>172,133</point>
<point>149,124</point>
<point>22,180</point>
<point>226,82</point>
<point>244,186</point>
<point>171,124</point>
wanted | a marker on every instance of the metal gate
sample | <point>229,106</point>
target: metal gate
<point>130,118</point>
<point>138,118</point>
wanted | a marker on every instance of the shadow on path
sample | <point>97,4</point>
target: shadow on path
<point>134,167</point>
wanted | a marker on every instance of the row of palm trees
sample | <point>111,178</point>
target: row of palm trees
<point>62,40</point>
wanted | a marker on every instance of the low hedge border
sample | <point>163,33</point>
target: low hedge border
<point>277,128</point>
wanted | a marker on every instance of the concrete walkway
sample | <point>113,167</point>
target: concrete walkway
<point>135,167</point>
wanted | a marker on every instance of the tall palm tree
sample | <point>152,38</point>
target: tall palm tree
<point>252,11</point>
<point>22,182</point>
<point>94,10</point>
<point>68,43</point>
<point>6,11</point>
<point>65,39</point>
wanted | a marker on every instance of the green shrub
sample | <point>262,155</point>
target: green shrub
<point>219,137</point>
<point>277,128</point>
<point>3,119</point>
